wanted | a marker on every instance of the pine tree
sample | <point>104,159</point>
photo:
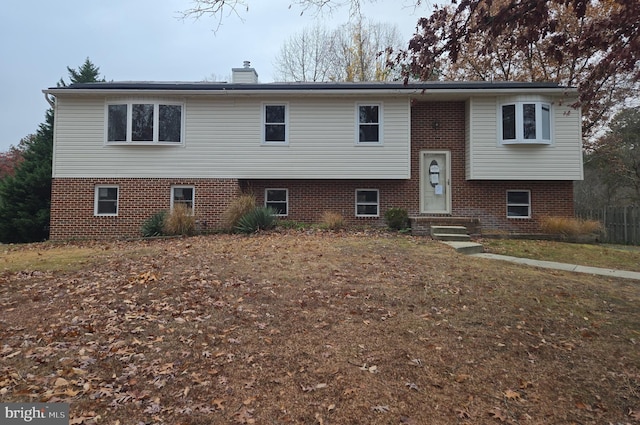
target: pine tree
<point>25,196</point>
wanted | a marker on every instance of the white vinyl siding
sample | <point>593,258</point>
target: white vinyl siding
<point>222,139</point>
<point>489,159</point>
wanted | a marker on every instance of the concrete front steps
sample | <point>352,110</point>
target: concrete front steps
<point>456,237</point>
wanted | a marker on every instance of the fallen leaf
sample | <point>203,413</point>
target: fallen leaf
<point>497,414</point>
<point>60,382</point>
<point>217,403</point>
<point>512,395</point>
<point>411,386</point>
<point>380,409</point>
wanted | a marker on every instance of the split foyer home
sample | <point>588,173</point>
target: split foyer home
<point>494,156</point>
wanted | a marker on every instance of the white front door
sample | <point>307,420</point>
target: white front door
<point>435,182</point>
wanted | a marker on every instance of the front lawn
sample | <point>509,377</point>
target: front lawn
<point>313,328</point>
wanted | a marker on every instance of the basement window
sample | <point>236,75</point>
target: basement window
<point>106,201</point>
<point>278,199</point>
<point>183,195</point>
<point>367,203</point>
<point>518,204</point>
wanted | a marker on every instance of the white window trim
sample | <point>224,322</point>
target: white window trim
<point>184,186</point>
<point>263,120</point>
<point>380,124</point>
<point>156,117</point>
<point>520,140</point>
<point>377,204</point>
<point>518,205</point>
<point>286,191</point>
<point>96,199</point>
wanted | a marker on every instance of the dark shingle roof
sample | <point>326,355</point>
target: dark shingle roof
<point>221,86</point>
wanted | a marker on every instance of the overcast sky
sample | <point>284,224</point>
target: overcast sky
<point>144,40</point>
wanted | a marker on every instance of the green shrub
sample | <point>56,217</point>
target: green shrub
<point>332,220</point>
<point>397,218</point>
<point>154,225</point>
<point>236,209</point>
<point>180,221</point>
<point>261,218</point>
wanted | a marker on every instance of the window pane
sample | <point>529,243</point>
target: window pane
<point>279,207</point>
<point>274,195</point>
<point>183,194</point>
<point>369,133</point>
<point>142,123</point>
<point>529,120</point>
<point>117,123</point>
<point>367,196</point>
<point>169,123</point>
<point>518,197</point>
<point>518,211</point>
<point>274,114</point>
<point>274,133</point>
<point>107,193</point>
<point>367,210</point>
<point>107,200</point>
<point>509,122</point>
<point>546,122</point>
<point>368,114</point>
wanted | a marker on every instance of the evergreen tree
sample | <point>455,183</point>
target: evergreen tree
<point>86,73</point>
<point>25,196</point>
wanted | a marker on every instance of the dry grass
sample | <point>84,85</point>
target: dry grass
<point>180,221</point>
<point>332,220</point>
<point>594,255</point>
<point>239,207</point>
<point>569,226</point>
<point>319,328</point>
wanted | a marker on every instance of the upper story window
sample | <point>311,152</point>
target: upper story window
<point>525,122</point>
<point>142,123</point>
<point>369,124</point>
<point>274,127</point>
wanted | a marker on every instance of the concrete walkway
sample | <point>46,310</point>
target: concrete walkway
<point>562,266</point>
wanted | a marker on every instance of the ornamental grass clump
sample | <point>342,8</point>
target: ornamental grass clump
<point>569,226</point>
<point>332,220</point>
<point>180,221</point>
<point>260,218</point>
<point>239,207</point>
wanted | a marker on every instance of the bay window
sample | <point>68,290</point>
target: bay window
<point>525,122</point>
<point>142,123</point>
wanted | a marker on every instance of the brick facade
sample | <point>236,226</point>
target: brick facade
<point>72,205</point>
<point>72,211</point>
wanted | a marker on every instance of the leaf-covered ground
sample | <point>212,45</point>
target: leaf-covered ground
<point>318,328</point>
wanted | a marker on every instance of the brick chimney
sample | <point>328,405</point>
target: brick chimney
<point>246,74</point>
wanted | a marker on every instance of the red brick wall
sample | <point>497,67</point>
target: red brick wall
<point>72,205</point>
